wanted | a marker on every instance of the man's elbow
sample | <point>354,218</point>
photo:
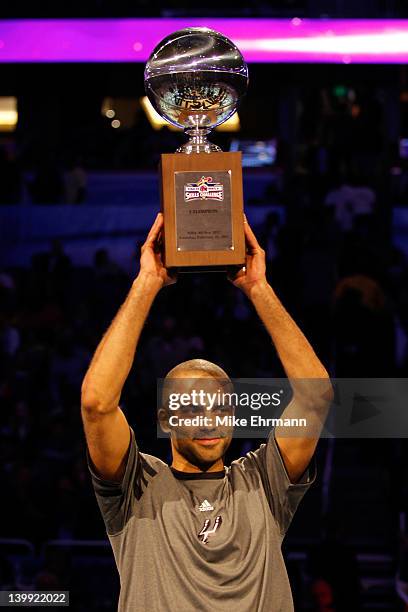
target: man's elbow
<point>321,388</point>
<point>324,391</point>
<point>315,393</point>
<point>92,404</point>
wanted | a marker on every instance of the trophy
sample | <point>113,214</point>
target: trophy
<point>194,79</point>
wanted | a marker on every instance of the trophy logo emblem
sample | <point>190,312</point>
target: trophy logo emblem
<point>204,189</point>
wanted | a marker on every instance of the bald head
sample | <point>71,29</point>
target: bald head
<point>184,377</point>
<point>192,367</point>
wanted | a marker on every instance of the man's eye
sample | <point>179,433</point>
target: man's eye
<point>222,409</point>
<point>186,409</point>
<point>190,409</point>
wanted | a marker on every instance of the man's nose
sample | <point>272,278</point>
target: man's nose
<point>210,427</point>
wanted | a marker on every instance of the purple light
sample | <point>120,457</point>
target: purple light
<point>382,41</point>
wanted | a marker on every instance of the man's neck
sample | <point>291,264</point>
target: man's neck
<point>181,464</point>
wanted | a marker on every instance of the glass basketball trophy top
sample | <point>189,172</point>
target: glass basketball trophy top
<point>194,79</point>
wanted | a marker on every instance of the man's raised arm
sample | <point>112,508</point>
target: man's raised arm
<point>106,428</point>
<point>312,391</point>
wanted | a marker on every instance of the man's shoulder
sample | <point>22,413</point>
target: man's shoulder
<point>248,466</point>
<point>142,459</point>
<point>153,462</point>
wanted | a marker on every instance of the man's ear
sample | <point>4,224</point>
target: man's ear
<point>163,418</point>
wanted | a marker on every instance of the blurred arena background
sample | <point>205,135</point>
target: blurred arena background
<point>325,150</point>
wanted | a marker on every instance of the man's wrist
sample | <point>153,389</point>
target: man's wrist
<point>258,289</point>
<point>149,283</point>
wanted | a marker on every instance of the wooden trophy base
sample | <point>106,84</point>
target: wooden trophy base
<point>202,204</point>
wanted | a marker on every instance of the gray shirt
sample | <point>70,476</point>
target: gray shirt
<point>208,542</point>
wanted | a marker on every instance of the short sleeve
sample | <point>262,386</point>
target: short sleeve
<point>115,498</point>
<point>283,495</point>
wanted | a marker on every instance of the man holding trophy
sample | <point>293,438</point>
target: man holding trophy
<point>199,535</point>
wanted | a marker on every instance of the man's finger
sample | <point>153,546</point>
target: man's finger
<point>154,230</point>
<point>157,244</point>
<point>250,237</point>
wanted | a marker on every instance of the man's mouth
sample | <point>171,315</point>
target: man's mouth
<point>207,441</point>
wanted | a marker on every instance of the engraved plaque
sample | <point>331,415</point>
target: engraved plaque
<point>203,211</point>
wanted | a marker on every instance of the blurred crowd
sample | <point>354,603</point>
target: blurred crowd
<point>333,267</point>
<point>50,183</point>
<point>332,261</point>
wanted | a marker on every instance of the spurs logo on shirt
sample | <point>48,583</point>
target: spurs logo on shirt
<point>206,531</point>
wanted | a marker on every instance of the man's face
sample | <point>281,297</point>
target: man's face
<point>206,438</point>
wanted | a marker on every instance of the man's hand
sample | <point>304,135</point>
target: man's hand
<point>253,273</point>
<point>151,263</point>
